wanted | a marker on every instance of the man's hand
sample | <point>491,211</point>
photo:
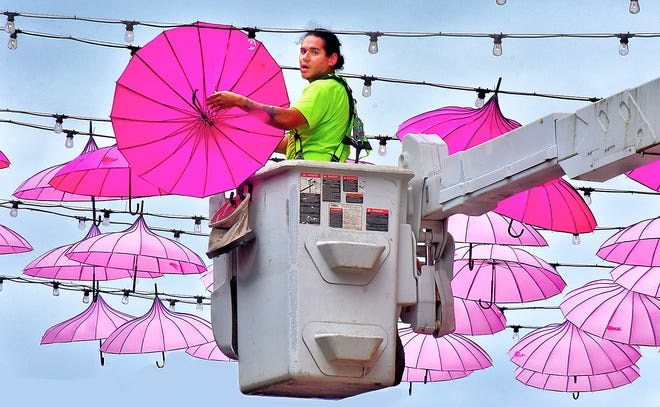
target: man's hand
<point>226,99</point>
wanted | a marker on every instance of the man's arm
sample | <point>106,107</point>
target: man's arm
<point>280,117</point>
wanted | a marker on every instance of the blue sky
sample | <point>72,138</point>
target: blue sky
<point>66,77</point>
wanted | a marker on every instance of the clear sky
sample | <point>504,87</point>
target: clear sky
<point>73,78</point>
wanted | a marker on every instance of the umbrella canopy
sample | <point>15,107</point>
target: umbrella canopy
<point>137,248</point>
<point>582,383</point>
<point>4,161</point>
<point>460,127</point>
<point>447,353</point>
<point>207,278</point>
<point>605,309</point>
<point>640,279</point>
<point>159,330</point>
<point>208,351</point>
<point>473,319</point>
<point>103,172</point>
<point>161,121</point>
<point>12,243</point>
<point>637,245</point>
<point>54,264</point>
<point>565,350</point>
<point>503,274</point>
<point>554,205</point>
<point>98,321</point>
<point>493,228</point>
<point>647,175</point>
<point>412,375</point>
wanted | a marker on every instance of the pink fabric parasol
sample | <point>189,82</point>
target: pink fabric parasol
<point>104,173</point>
<point>493,228</point>
<point>637,245</point>
<point>161,121</point>
<point>473,319</point>
<point>12,243</point>
<point>208,351</point>
<point>640,279</point>
<point>583,383</point>
<point>647,175</point>
<point>460,127</point>
<point>4,161</point>
<point>98,321</point>
<point>54,264</point>
<point>411,375</point>
<point>607,310</point>
<point>447,353</point>
<point>159,330</point>
<point>503,274</point>
<point>554,205</point>
<point>565,350</point>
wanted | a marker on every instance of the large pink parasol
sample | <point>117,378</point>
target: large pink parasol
<point>473,319</point>
<point>638,244</point>
<point>4,161</point>
<point>554,205</point>
<point>452,352</point>
<point>583,383</point>
<point>503,274</point>
<point>647,175</point>
<point>460,127</point>
<point>607,310</point>
<point>565,350</point>
<point>208,351</point>
<point>161,121</point>
<point>159,330</point>
<point>493,228</point>
<point>54,264</point>
<point>640,279</point>
<point>12,243</point>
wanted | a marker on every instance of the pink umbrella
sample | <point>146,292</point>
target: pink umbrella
<point>647,175</point>
<point>637,245</point>
<point>596,382</point>
<point>493,228</point>
<point>54,264</point>
<point>503,274</point>
<point>605,309</point>
<point>411,375</point>
<point>447,353</point>
<point>159,330</point>
<point>208,351</point>
<point>161,121</point>
<point>460,127</point>
<point>640,279</point>
<point>11,242</point>
<point>4,161</point>
<point>139,249</point>
<point>473,319</point>
<point>565,350</point>
<point>554,205</point>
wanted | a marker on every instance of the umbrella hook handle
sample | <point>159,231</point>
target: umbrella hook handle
<point>470,259</point>
<point>101,354</point>
<point>576,395</point>
<point>139,208</point>
<point>160,366</point>
<point>241,190</point>
<point>199,109</point>
<point>485,305</point>
<point>97,222</point>
<point>512,233</point>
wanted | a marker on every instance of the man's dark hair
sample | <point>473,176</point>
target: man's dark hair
<point>331,44</point>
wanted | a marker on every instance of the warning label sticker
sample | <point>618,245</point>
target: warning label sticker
<point>350,183</point>
<point>354,198</point>
<point>377,219</point>
<point>310,198</point>
<point>331,188</point>
<point>345,216</point>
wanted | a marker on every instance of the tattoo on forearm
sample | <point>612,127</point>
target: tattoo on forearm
<point>270,110</point>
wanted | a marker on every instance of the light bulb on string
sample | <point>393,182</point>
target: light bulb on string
<point>81,223</point>
<point>382,146</point>
<point>56,289</point>
<point>634,7</point>
<point>252,39</point>
<point>172,304</point>
<point>129,35</point>
<point>587,195</point>
<point>576,239</point>
<point>85,298</point>
<point>500,2</point>
<point>516,333</point>
<point>68,142</point>
<point>106,217</point>
<point>623,44</point>
<point>497,44</point>
<point>14,209</point>
<point>177,235</point>
<point>366,89</point>
<point>197,228</point>
<point>481,98</point>
<point>2,283</point>
<point>59,119</point>
<point>10,27</point>
<point>373,43</point>
<point>125,297</point>
<point>13,41</point>
<point>199,306</point>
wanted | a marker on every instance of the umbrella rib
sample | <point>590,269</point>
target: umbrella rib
<point>155,101</point>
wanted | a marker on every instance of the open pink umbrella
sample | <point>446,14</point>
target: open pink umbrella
<point>4,161</point>
<point>647,175</point>
<point>554,205</point>
<point>208,351</point>
<point>565,350</point>
<point>640,279</point>
<point>161,121</point>
<point>159,330</point>
<point>583,383</point>
<point>460,127</point>
<point>607,310</point>
<point>410,374</point>
<point>493,228</point>
<point>637,245</point>
<point>452,352</point>
<point>54,264</point>
<point>473,319</point>
<point>139,249</point>
<point>12,243</point>
<point>503,274</point>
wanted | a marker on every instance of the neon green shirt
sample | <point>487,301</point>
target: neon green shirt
<point>324,103</point>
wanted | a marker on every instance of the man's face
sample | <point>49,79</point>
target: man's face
<point>314,63</point>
